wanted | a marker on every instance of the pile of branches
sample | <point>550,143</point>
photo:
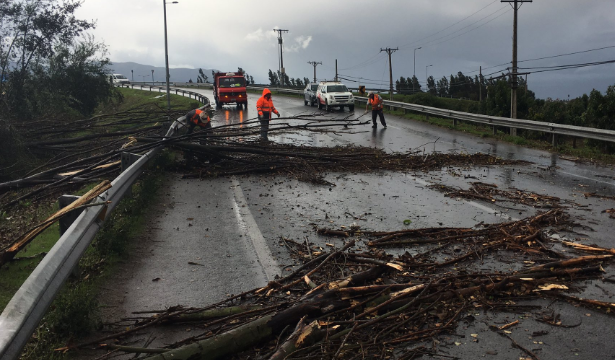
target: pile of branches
<point>311,163</point>
<point>354,304</point>
<point>80,151</point>
<point>491,193</point>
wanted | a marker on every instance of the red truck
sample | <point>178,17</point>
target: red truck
<point>230,87</point>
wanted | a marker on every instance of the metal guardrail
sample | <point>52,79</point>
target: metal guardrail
<point>203,99</point>
<point>24,312</point>
<point>550,128</point>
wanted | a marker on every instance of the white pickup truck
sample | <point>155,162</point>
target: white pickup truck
<point>334,94</point>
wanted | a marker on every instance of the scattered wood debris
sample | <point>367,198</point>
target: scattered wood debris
<point>358,302</point>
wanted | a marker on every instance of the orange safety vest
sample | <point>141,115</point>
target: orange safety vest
<point>264,105</point>
<point>376,102</point>
<point>196,118</point>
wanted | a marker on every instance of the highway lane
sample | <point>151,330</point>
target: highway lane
<point>212,238</point>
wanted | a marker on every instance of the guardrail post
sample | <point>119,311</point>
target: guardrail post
<point>494,130</point>
<point>66,221</point>
<point>553,139</point>
<point>127,160</point>
<point>426,117</point>
<point>454,122</point>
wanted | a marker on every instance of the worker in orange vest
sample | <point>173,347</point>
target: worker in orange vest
<point>198,117</point>
<point>265,107</point>
<point>375,101</point>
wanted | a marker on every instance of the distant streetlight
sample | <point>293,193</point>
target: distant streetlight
<point>414,71</point>
<point>132,72</point>
<point>426,82</point>
<point>166,58</point>
<point>152,76</point>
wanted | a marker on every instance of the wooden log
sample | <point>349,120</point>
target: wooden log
<point>589,248</point>
<point>325,231</point>
<point>215,313</point>
<point>304,335</point>
<point>569,262</point>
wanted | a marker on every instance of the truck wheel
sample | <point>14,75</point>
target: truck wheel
<point>351,108</point>
<point>319,104</point>
<point>312,102</point>
<point>327,107</point>
<point>238,106</point>
<point>305,102</point>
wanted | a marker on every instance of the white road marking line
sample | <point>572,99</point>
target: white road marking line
<point>586,178</point>
<point>244,216</point>
<point>473,203</point>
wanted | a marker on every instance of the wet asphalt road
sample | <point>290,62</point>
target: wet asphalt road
<point>215,237</point>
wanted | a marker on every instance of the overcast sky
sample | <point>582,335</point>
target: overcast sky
<point>454,35</point>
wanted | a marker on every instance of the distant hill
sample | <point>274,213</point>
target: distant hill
<point>176,75</point>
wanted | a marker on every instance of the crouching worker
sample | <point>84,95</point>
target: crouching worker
<point>265,107</point>
<point>198,117</point>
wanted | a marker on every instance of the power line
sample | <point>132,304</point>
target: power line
<point>436,33</point>
<point>572,53</point>
<point>547,57</point>
<point>367,62</point>
<point>477,27</point>
<point>428,43</point>
<point>567,66</point>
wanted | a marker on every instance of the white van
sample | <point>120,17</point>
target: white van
<point>119,79</point>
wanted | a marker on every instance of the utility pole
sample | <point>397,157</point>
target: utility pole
<point>516,5</point>
<point>480,84</point>
<point>336,79</point>
<point>390,51</point>
<point>314,64</point>
<point>414,65</point>
<point>166,59</point>
<point>280,43</point>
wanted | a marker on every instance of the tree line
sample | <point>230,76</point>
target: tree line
<point>277,79</point>
<point>596,110</point>
<point>47,62</point>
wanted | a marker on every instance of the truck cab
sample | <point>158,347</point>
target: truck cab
<point>230,88</point>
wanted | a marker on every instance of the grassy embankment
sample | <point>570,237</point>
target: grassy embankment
<point>74,310</point>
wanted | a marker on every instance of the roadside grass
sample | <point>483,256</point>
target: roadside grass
<point>75,311</point>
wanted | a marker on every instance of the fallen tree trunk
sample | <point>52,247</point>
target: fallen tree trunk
<point>8,254</point>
